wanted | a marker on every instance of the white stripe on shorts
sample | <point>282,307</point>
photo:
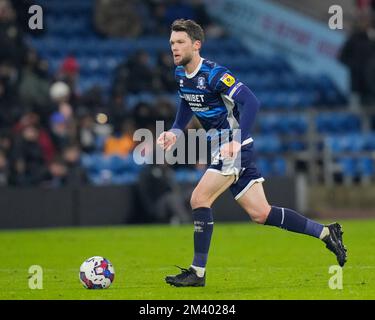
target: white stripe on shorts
<point>239,195</point>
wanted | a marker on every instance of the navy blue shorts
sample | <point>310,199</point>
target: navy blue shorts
<point>246,172</point>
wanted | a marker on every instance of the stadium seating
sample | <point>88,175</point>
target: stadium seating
<point>272,167</point>
<point>356,142</point>
<point>353,153</point>
<point>333,122</point>
<point>268,144</point>
<point>69,25</point>
<point>283,124</point>
<point>356,167</point>
<point>98,162</point>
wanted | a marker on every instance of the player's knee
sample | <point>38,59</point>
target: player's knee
<point>199,200</point>
<point>260,218</point>
<point>260,215</point>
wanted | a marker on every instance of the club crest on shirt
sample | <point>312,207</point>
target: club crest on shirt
<point>201,83</point>
<point>228,80</point>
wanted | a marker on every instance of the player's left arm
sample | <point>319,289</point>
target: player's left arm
<point>223,82</point>
<point>249,106</point>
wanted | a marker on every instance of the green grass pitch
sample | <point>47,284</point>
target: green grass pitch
<point>246,261</point>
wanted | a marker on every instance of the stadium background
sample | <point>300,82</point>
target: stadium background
<point>72,94</point>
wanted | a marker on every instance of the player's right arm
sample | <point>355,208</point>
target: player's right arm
<point>184,114</point>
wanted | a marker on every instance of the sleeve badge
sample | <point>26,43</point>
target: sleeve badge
<point>228,80</point>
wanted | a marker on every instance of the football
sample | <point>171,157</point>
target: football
<point>96,273</point>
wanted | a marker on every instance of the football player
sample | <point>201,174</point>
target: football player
<point>220,101</point>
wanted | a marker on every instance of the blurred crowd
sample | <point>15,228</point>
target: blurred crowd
<point>46,124</point>
<point>358,54</point>
<point>365,6</point>
<point>132,18</point>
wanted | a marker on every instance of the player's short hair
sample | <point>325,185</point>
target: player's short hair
<point>193,29</point>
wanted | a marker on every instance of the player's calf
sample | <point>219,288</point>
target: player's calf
<point>291,220</point>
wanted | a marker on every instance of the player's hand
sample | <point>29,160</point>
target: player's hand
<point>166,140</point>
<point>230,149</point>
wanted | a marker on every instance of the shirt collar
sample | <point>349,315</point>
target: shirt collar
<point>194,73</point>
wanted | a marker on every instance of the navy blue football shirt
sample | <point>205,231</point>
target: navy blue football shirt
<point>208,92</point>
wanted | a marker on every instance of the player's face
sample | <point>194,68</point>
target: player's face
<point>182,47</point>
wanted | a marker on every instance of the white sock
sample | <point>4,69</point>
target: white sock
<point>199,270</point>
<point>325,232</point>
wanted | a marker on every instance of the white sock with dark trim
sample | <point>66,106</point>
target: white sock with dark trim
<point>325,232</point>
<point>199,270</point>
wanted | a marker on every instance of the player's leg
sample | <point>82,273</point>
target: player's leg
<point>209,188</point>
<point>206,192</point>
<point>256,205</point>
<point>211,185</point>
